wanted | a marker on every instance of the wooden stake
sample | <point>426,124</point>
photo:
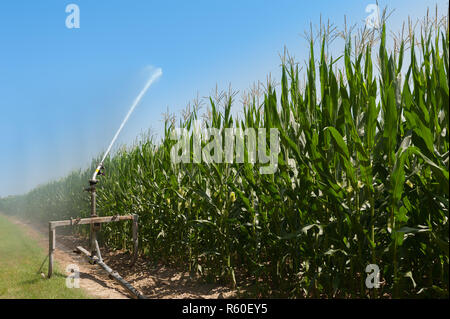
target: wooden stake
<point>135,240</point>
<point>51,247</point>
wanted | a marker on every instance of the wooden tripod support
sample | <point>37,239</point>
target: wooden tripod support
<point>94,255</point>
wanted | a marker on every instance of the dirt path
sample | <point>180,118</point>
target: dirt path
<point>152,281</point>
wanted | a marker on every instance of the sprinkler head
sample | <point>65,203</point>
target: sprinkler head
<point>100,170</point>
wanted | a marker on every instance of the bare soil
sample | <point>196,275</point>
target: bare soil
<point>157,282</point>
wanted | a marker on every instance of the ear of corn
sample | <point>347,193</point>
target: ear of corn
<point>350,141</point>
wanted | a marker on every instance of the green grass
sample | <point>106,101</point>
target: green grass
<point>20,259</point>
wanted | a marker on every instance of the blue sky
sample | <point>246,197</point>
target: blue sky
<point>64,92</point>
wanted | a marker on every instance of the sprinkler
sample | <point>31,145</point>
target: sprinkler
<point>99,170</point>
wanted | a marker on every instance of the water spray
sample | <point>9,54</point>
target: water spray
<point>156,74</point>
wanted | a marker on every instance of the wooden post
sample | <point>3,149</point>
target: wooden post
<point>51,247</point>
<point>135,239</point>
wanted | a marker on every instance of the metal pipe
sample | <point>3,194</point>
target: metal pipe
<point>112,273</point>
<point>120,280</point>
<point>95,226</point>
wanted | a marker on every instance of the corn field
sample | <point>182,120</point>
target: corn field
<point>362,179</point>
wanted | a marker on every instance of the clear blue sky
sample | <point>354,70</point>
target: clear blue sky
<point>64,92</point>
